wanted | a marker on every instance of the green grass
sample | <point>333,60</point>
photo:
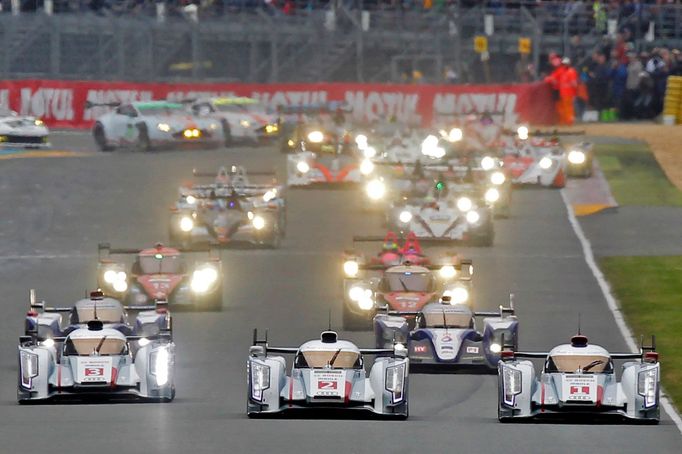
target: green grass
<point>650,293</point>
<point>635,177</point>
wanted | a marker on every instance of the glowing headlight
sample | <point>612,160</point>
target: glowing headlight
<point>351,268</point>
<point>492,195</point>
<point>302,166</point>
<point>522,132</point>
<point>49,343</point>
<point>120,286</point>
<point>260,380</point>
<point>361,141</point>
<point>405,216</point>
<point>358,293</point>
<point>545,163</point>
<point>464,204</point>
<point>365,303</point>
<point>495,348</point>
<point>473,217</point>
<point>315,136</point>
<point>395,381</point>
<point>165,127</point>
<point>647,386</point>
<point>448,272</point>
<point>110,276</point>
<point>245,123</point>
<point>38,122</point>
<point>497,178</point>
<point>458,295</point>
<point>191,133</point>
<point>269,195</point>
<point>376,189</point>
<point>430,141</point>
<point>191,199</point>
<point>271,129</point>
<point>143,342</point>
<point>487,163</point>
<point>203,279</point>
<point>576,157</point>
<point>437,152</point>
<point>186,224</point>
<point>366,167</point>
<point>29,368</point>
<point>258,222</point>
<point>160,365</point>
<point>369,152</point>
<point>455,135</point>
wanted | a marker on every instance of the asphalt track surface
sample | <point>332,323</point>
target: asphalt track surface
<point>53,212</point>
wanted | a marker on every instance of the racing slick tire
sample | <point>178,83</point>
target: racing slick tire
<point>143,143</point>
<point>100,137</point>
<point>227,133</point>
<point>355,322</point>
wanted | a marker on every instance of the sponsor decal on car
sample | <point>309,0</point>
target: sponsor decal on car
<point>327,383</point>
<point>580,388</point>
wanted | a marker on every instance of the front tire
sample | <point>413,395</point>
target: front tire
<point>143,142</point>
<point>100,137</point>
<point>227,133</point>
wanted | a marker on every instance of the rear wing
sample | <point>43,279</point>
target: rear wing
<point>40,305</point>
<point>91,104</point>
<point>104,250</point>
<point>503,311</point>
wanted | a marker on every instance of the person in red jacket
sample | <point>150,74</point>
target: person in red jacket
<point>554,79</point>
<point>568,90</point>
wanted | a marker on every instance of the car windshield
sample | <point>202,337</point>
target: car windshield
<point>337,359</point>
<point>574,363</point>
<point>85,347</point>
<point>408,282</point>
<point>161,264</point>
<point>165,110</point>
<point>445,319</point>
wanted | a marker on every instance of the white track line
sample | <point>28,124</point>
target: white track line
<point>611,300</point>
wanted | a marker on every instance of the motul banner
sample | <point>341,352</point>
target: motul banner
<point>63,103</point>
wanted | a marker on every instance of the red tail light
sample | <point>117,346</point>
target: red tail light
<point>651,357</point>
<point>507,354</point>
<point>32,313</point>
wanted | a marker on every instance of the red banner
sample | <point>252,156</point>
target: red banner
<point>62,103</point>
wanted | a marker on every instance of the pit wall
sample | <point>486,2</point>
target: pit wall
<point>62,103</point>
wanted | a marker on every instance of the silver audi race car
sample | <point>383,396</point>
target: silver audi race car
<point>22,131</point>
<point>446,338</point>
<point>97,354</point>
<point>578,380</point>
<point>148,125</point>
<point>327,375</point>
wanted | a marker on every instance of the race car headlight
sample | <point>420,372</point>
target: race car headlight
<point>186,224</point>
<point>473,217</point>
<point>38,122</point>
<point>497,178</point>
<point>191,133</point>
<point>464,204</point>
<point>159,365</point>
<point>245,123</point>
<point>302,166</point>
<point>366,167</point>
<point>492,195</point>
<point>49,343</point>
<point>351,268</point>
<point>511,379</point>
<point>369,152</point>
<point>271,129</point>
<point>29,367</point>
<point>576,157</point>
<point>447,272</point>
<point>118,280</point>
<point>315,136</point>
<point>143,342</point>
<point>120,286</point>
<point>203,279</point>
<point>260,380</point>
<point>269,195</point>
<point>361,141</point>
<point>405,217</point>
<point>647,384</point>
<point>165,127</point>
<point>366,302</point>
<point>458,295</point>
<point>487,163</point>
<point>522,132</point>
<point>258,222</point>
<point>190,199</point>
<point>495,348</point>
<point>455,135</point>
<point>395,381</point>
<point>375,189</point>
<point>357,293</point>
<point>545,163</point>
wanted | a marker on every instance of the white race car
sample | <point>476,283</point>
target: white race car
<point>154,124</point>
<point>22,131</point>
<point>242,119</point>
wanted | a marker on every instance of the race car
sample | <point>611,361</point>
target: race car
<point>148,125</point>
<point>242,119</point>
<point>408,280</point>
<point>161,273</point>
<point>446,214</point>
<point>22,131</point>
<point>327,374</point>
<point>97,355</point>
<point>580,159</point>
<point>317,128</point>
<point>232,210</point>
<point>445,337</point>
<point>578,380</point>
<point>535,159</point>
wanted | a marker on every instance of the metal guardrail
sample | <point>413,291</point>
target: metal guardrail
<point>242,42</point>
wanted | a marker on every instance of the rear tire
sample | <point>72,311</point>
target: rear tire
<point>227,133</point>
<point>143,142</point>
<point>100,137</point>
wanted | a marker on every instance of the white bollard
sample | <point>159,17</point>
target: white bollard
<point>16,7</point>
<point>489,24</point>
<point>364,20</point>
<point>49,7</point>
<point>330,20</point>
<point>160,12</point>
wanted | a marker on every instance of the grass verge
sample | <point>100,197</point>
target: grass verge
<point>635,177</point>
<point>650,293</point>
